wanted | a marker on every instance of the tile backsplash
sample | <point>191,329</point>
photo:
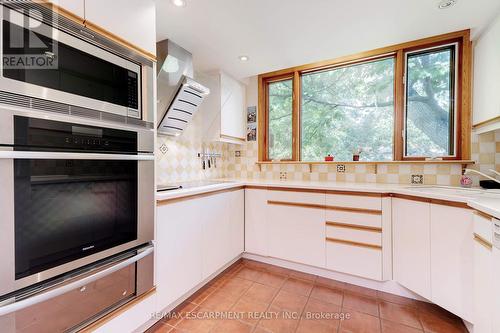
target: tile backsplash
<point>177,160</point>
<point>180,163</point>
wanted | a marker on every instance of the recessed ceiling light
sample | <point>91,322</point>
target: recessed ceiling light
<point>243,58</point>
<point>179,3</point>
<point>443,4</point>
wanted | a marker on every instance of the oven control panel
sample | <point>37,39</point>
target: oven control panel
<point>43,134</point>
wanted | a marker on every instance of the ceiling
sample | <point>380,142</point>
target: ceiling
<point>277,34</point>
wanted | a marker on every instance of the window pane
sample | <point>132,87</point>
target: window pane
<point>430,107</point>
<point>280,120</point>
<point>346,109</point>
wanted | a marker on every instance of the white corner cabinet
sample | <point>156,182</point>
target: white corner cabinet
<point>433,253</point>
<point>224,110</point>
<point>134,21</point>
<point>196,237</point>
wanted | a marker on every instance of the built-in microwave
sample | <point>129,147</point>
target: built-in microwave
<point>73,193</point>
<point>44,61</point>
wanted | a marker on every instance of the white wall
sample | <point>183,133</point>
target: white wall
<point>486,93</point>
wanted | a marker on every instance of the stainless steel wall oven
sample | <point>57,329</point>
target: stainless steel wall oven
<point>75,197</point>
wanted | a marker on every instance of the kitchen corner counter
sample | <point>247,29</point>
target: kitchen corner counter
<point>485,201</point>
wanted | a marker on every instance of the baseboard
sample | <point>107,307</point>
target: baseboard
<point>390,286</point>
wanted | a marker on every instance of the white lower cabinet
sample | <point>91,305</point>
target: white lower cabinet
<point>354,259</point>
<point>194,239</point>
<point>412,245</point>
<point>179,250</point>
<point>433,253</point>
<point>223,227</point>
<point>483,289</point>
<point>256,235</point>
<point>452,259</point>
<point>297,234</point>
<point>295,231</point>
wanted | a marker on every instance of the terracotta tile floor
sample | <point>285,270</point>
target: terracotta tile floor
<point>255,297</point>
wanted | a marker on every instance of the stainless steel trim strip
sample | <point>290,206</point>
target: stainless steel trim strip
<point>41,155</point>
<point>6,309</point>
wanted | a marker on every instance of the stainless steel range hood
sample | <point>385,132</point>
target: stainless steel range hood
<point>179,95</point>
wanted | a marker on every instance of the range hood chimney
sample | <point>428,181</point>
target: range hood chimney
<point>179,96</point>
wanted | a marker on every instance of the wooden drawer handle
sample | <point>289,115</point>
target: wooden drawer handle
<point>354,226</point>
<point>483,241</point>
<point>295,204</point>
<point>358,244</point>
<point>319,206</point>
<point>355,210</point>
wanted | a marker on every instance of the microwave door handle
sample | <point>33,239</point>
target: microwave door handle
<point>44,296</point>
<point>9,154</point>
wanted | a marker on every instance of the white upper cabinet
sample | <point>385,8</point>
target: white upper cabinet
<point>452,259</point>
<point>233,120</point>
<point>486,77</point>
<point>75,7</point>
<point>412,245</point>
<point>224,113</point>
<point>131,20</point>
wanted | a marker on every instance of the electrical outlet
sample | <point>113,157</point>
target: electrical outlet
<point>283,175</point>
<point>237,153</point>
<point>341,168</point>
<point>417,179</point>
<point>163,148</point>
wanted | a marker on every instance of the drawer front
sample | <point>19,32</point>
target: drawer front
<point>354,201</point>
<point>296,197</point>
<point>483,226</point>
<point>354,260</point>
<point>355,235</point>
<point>362,219</point>
<point>61,313</point>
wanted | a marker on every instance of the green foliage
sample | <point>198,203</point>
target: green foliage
<point>348,108</point>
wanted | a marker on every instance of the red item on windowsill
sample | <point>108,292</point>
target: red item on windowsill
<point>329,158</point>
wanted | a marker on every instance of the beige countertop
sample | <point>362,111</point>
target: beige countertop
<point>487,201</point>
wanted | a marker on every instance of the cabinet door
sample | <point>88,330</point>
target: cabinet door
<point>256,233</point>
<point>297,234</point>
<point>412,245</point>
<point>483,284</point>
<point>132,20</point>
<point>75,7</point>
<point>451,259</point>
<point>233,116</point>
<point>236,219</point>
<point>496,289</point>
<point>178,250</point>
<point>216,232</point>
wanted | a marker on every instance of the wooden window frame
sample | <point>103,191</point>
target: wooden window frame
<point>398,51</point>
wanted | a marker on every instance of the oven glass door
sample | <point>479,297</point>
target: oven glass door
<point>69,209</point>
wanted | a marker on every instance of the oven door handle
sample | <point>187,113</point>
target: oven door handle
<point>44,296</point>
<point>37,155</point>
